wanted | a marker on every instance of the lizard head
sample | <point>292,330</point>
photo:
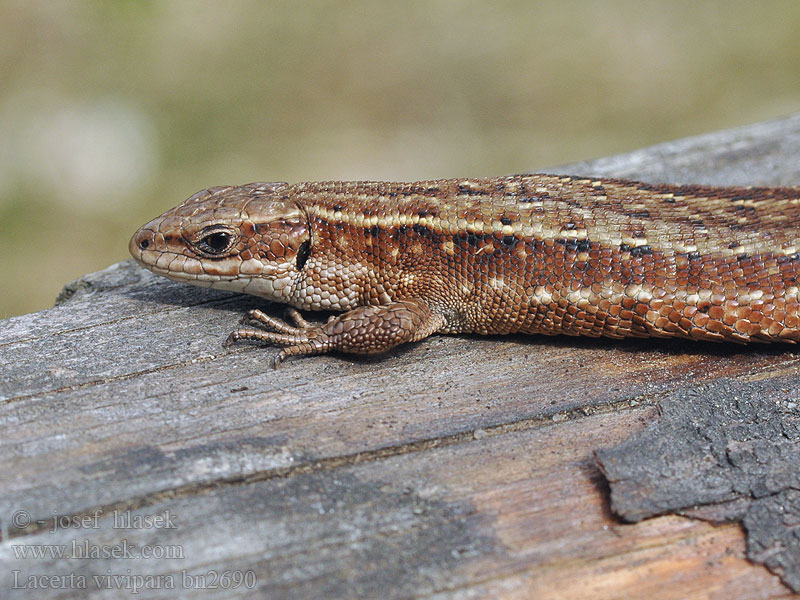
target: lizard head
<point>248,238</point>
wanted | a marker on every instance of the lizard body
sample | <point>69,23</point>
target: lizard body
<point>531,254</point>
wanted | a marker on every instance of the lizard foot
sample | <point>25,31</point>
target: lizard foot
<point>363,330</point>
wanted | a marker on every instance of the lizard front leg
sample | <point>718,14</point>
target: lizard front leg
<point>363,330</point>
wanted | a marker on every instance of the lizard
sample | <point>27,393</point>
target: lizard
<point>535,254</point>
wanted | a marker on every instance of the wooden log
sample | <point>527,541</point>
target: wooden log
<point>457,467</point>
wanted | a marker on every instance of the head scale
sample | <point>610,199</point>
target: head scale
<point>248,238</point>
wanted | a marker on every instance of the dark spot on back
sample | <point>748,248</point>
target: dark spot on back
<point>733,245</point>
<point>505,220</point>
<point>469,237</point>
<point>337,207</point>
<point>624,248</point>
<point>641,251</point>
<point>572,202</point>
<point>569,244</point>
<point>421,229</point>
<point>471,191</point>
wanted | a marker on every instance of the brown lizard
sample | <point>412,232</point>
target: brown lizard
<point>532,254</point>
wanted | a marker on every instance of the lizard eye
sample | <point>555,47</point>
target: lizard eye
<point>215,242</point>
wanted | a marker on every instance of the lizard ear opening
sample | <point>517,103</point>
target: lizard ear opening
<point>303,252</point>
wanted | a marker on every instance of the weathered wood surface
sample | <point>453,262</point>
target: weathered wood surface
<point>724,451</point>
<point>459,467</point>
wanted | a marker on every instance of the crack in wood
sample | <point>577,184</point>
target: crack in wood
<point>94,382</point>
<point>334,462</point>
<point>220,301</point>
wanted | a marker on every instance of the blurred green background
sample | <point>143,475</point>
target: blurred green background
<point>112,112</point>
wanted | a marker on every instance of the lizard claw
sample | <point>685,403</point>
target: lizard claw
<point>268,323</point>
<point>293,315</point>
<point>300,338</point>
<point>363,330</point>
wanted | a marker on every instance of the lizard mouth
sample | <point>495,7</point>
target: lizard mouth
<point>177,265</point>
